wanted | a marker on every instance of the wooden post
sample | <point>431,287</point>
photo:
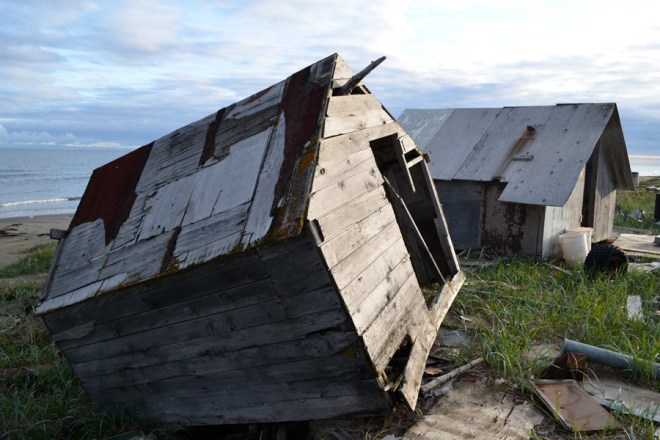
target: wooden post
<point>347,88</point>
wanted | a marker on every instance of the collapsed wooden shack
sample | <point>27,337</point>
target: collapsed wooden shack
<point>515,178</point>
<point>285,258</point>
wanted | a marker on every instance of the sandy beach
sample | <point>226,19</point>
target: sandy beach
<point>21,233</point>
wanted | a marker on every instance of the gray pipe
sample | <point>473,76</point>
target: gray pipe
<point>606,357</point>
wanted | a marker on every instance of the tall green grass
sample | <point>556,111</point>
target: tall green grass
<point>519,304</point>
<point>36,261</point>
<point>638,199</point>
<point>39,397</point>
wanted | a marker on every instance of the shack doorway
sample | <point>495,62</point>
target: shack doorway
<point>410,189</point>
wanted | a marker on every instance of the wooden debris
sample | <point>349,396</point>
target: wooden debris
<point>426,388</point>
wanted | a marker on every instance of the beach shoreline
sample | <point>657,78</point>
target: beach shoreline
<point>18,234</point>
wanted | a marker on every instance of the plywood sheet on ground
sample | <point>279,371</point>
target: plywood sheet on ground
<point>638,244</point>
<point>477,411</point>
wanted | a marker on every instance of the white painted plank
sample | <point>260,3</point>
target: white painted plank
<point>198,235</point>
<point>213,249</point>
<point>80,294</point>
<point>260,218</point>
<point>338,125</point>
<point>166,207</point>
<point>228,183</point>
<point>84,243</point>
<point>139,261</point>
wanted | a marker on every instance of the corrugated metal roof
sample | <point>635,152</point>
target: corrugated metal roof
<point>540,151</point>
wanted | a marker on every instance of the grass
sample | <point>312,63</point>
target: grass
<point>519,304</point>
<point>638,199</point>
<point>514,306</point>
<point>37,261</point>
<point>39,397</point>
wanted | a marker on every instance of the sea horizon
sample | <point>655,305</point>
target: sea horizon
<point>50,181</point>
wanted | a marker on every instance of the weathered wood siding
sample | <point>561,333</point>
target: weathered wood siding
<point>362,244</point>
<point>216,186</point>
<point>602,198</point>
<point>509,228</point>
<point>556,220</point>
<point>262,336</point>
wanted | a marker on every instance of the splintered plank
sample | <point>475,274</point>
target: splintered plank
<point>386,332</point>
<point>330,198</point>
<point>139,261</point>
<point>164,209</point>
<point>356,235</point>
<point>356,210</point>
<point>336,125</point>
<point>258,102</point>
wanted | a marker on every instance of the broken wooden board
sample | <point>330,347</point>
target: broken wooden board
<point>477,411</point>
<point>575,408</point>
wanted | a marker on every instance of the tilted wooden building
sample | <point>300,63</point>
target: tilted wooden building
<point>515,178</point>
<point>273,261</point>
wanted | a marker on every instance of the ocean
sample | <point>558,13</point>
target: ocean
<point>52,181</point>
<point>47,181</point>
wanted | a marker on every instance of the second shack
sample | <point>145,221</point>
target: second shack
<point>515,178</point>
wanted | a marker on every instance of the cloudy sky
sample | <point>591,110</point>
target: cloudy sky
<point>123,73</point>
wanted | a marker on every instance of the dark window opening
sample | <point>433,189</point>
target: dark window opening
<point>397,365</point>
<point>407,187</point>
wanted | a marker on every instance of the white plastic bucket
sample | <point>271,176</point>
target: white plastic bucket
<point>574,246</point>
<point>588,231</point>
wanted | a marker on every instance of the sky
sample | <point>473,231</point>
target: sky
<point>124,73</point>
